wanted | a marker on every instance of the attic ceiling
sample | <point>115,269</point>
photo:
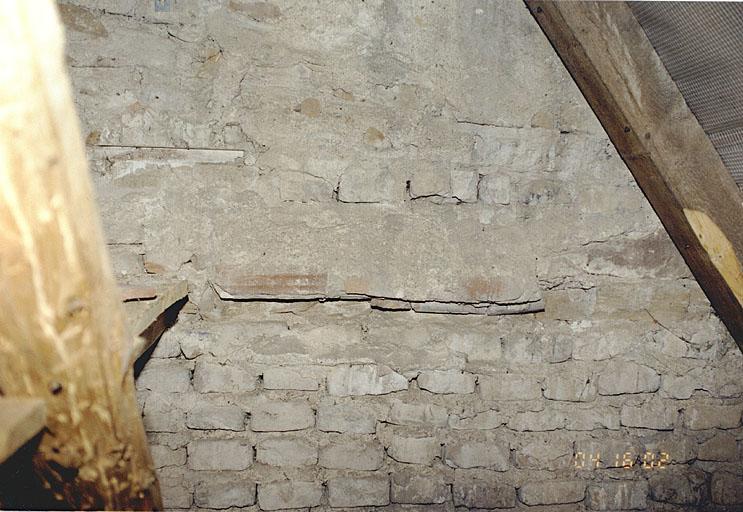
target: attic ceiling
<point>701,46</point>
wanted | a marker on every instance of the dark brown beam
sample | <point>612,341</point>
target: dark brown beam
<point>621,76</point>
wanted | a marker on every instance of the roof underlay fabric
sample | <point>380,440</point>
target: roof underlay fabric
<point>701,46</point>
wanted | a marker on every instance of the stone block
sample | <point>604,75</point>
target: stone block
<point>360,454</point>
<point>402,413</point>
<point>485,420</point>
<point>175,494</point>
<point>417,488</point>
<point>217,455</point>
<point>544,451</point>
<point>479,490</point>
<point>552,492</point>
<point>285,377</point>
<point>623,377</point>
<point>464,185</point>
<point>684,487</point>
<point>211,377</point>
<point>286,451</point>
<point>165,376</point>
<point>346,418</point>
<point>368,379</point>
<point>414,450</point>
<point>289,494</point>
<point>722,447</point>
<point>368,185</point>
<point>727,489</point>
<point>359,491</point>
<point>509,386</point>
<point>495,189</point>
<point>656,415</point>
<point>428,182</point>
<point>281,416</point>
<point>703,417</point>
<point>628,495</point>
<point>477,454</point>
<point>447,382</point>
<point>216,417</point>
<point>220,490</point>
<point>163,455</point>
<point>573,386</point>
<point>598,416</point>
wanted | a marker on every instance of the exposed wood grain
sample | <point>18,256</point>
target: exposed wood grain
<point>62,330</point>
<point>20,420</point>
<point>611,60</point>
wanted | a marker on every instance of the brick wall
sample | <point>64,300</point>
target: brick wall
<point>420,276</point>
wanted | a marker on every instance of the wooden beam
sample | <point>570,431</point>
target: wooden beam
<point>20,420</point>
<point>616,68</point>
<point>62,331</point>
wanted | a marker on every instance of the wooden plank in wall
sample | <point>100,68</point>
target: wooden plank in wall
<point>63,337</point>
<point>621,76</point>
<point>20,420</point>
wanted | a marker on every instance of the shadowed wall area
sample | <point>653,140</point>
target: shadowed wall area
<point>420,276</point>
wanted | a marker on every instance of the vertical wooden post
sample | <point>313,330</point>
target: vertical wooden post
<point>62,330</point>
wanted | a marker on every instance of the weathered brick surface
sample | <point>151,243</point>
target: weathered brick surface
<point>702,417</point>
<point>165,376</point>
<point>552,492</point>
<point>473,454</point>
<point>221,490</point>
<point>414,450</point>
<point>656,415</point>
<point>402,413</point>
<point>358,454</point>
<point>415,487</point>
<point>346,418</point>
<point>216,417</point>
<point>476,489</point>
<point>450,381</point>
<point>359,491</point>
<point>216,378</point>
<point>727,489</point>
<point>163,456</point>
<point>365,380</point>
<point>678,487</point>
<point>290,378</point>
<point>625,377</point>
<point>213,454</point>
<point>286,451</point>
<point>485,420</point>
<point>617,496</point>
<point>509,386</point>
<point>281,416</point>
<point>289,494</point>
<point>162,414</point>
<point>570,386</point>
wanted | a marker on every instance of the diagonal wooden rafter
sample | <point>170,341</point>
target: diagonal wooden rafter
<point>642,110</point>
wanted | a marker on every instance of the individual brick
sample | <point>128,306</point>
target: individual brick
<point>419,488</point>
<point>552,492</point>
<point>165,376</point>
<point>367,379</point>
<point>495,189</point>
<point>164,456</point>
<point>594,418</point>
<point>626,495</point>
<point>219,491</point>
<point>281,416</point>
<point>479,490</point>
<point>570,387</point>
<point>216,455</point>
<point>722,447</point>
<point>289,494</point>
<point>402,413</point>
<point>211,377</point>
<point>464,185</point>
<point>537,421</point>
<point>367,185</point>
<point>359,491</point>
<point>447,382</point>
<point>474,454</point>
<point>685,487</point>
<point>162,414</point>
<point>346,418</point>
<point>216,417</point>
<point>485,420</point>
<point>286,451</point>
<point>656,415</point>
<point>545,451</point>
<point>727,489</point>
<point>414,450</point>
<point>703,417</point>
<point>624,377</point>
<point>175,494</point>
<point>359,454</point>
<point>509,386</point>
<point>297,378</point>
